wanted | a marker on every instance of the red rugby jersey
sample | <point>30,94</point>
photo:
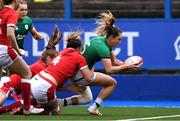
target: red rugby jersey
<point>35,68</point>
<point>65,65</point>
<point>8,17</point>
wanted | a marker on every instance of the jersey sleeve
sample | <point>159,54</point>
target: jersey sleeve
<point>103,51</point>
<point>81,62</point>
<point>30,23</point>
<point>12,19</point>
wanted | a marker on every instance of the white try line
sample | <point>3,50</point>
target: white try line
<point>157,117</point>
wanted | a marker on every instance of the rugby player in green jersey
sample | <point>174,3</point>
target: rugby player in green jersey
<point>24,25</point>
<point>100,49</point>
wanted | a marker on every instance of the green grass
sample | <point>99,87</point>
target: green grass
<point>109,113</point>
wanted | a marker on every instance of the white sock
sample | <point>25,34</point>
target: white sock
<point>99,100</point>
<point>68,100</point>
<point>96,104</point>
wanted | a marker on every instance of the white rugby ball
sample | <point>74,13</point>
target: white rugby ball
<point>136,60</point>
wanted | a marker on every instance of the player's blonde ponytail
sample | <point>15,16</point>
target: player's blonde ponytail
<point>106,27</point>
<point>105,21</point>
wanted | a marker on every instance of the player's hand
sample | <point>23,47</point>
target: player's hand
<point>22,52</point>
<point>128,64</point>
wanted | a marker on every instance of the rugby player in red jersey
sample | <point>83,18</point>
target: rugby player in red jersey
<point>9,52</point>
<point>14,81</point>
<point>45,84</point>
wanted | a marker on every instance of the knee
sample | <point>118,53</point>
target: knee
<point>113,83</point>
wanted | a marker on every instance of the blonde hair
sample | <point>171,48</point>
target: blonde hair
<point>104,21</point>
<point>106,27</point>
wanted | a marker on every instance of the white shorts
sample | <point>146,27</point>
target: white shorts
<point>7,55</point>
<point>42,90</point>
<point>79,79</point>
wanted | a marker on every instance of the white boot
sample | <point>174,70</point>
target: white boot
<point>94,111</point>
<point>33,110</point>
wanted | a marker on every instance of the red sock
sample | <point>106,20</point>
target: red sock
<point>10,107</point>
<point>25,92</point>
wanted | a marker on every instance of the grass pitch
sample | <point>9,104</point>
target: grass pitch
<point>109,113</point>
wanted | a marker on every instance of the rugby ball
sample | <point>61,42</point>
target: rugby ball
<point>136,60</point>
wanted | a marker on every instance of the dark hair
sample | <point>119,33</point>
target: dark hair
<point>7,2</point>
<point>55,38</point>
<point>1,4</point>
<point>48,52</point>
<point>105,21</point>
<point>73,40</point>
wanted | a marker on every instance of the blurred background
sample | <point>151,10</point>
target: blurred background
<point>151,29</point>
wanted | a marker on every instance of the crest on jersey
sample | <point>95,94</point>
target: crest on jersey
<point>26,27</point>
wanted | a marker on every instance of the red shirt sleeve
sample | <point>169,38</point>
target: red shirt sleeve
<point>12,19</point>
<point>82,62</point>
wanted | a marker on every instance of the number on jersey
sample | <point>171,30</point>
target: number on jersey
<point>56,60</point>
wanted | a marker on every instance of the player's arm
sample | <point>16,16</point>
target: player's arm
<point>12,38</point>
<point>36,34</point>
<point>109,68</point>
<point>114,60</point>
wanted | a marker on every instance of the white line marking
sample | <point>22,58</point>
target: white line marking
<point>157,117</point>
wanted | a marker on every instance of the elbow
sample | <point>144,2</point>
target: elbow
<point>37,36</point>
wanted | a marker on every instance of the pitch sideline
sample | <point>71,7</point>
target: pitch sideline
<point>156,117</point>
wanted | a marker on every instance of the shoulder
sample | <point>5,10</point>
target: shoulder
<point>27,19</point>
<point>12,14</point>
<point>101,38</point>
<point>78,56</point>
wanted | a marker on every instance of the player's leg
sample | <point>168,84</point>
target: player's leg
<point>108,83</point>
<point>11,107</point>
<point>4,89</point>
<point>20,67</point>
<point>44,93</point>
<point>2,97</point>
<point>17,65</point>
<point>82,98</point>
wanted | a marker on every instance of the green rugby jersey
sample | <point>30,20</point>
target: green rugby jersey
<point>22,29</point>
<point>96,49</point>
